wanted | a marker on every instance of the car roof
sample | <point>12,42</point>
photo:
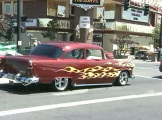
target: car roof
<point>72,45</point>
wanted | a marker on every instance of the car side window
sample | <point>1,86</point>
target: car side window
<point>75,54</point>
<point>93,54</point>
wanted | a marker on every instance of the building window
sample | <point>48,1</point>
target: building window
<point>100,12</point>
<point>0,9</point>
<point>108,12</point>
<point>72,10</point>
<point>60,11</point>
<point>15,8</point>
<point>7,8</point>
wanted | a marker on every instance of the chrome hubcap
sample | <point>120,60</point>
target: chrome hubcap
<point>61,83</point>
<point>123,78</point>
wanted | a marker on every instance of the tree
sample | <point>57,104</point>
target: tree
<point>51,32</point>
<point>6,31</point>
<point>122,41</point>
<point>156,33</point>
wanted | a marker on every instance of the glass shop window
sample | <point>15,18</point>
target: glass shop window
<point>7,8</point>
<point>108,12</point>
<point>15,8</point>
<point>72,9</point>
<point>61,11</point>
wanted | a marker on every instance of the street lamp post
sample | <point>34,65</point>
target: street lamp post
<point>103,21</point>
<point>18,25</point>
<point>30,35</point>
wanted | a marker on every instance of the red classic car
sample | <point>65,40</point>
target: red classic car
<point>62,64</point>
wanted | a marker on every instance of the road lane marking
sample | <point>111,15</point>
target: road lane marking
<point>146,62</point>
<point>71,92</point>
<point>71,104</point>
<point>148,77</point>
<point>146,68</point>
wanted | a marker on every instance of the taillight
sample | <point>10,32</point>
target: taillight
<point>29,71</point>
<point>161,62</point>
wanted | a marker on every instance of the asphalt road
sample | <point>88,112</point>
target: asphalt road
<point>141,99</point>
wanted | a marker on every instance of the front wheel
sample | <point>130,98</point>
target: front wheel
<point>122,78</point>
<point>60,84</point>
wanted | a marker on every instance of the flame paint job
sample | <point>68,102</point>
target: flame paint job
<point>94,72</point>
<point>98,71</point>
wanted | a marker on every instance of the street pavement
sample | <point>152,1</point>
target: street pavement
<point>140,99</point>
<point>132,59</point>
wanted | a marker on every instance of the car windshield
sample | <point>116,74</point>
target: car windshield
<point>47,50</point>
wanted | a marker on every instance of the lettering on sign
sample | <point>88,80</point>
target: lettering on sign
<point>28,22</point>
<point>135,15</point>
<point>92,2</point>
<point>84,22</point>
<point>64,24</point>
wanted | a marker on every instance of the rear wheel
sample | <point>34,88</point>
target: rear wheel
<point>122,79</point>
<point>60,84</point>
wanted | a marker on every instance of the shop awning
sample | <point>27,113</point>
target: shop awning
<point>155,5</point>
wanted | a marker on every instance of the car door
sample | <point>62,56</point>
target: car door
<point>96,67</point>
<point>74,63</point>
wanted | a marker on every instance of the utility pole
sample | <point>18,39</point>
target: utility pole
<point>18,24</point>
<point>160,41</point>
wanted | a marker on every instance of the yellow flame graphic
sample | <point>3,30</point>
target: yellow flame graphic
<point>98,71</point>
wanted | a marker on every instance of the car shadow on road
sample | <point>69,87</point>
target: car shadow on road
<point>21,90</point>
<point>36,89</point>
<point>158,77</point>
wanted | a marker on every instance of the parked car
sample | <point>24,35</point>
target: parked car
<point>141,55</point>
<point>160,67</point>
<point>5,45</point>
<point>8,49</point>
<point>62,64</point>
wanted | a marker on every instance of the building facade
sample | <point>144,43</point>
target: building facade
<point>117,21</point>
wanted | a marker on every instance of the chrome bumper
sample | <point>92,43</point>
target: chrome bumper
<point>132,77</point>
<point>18,78</point>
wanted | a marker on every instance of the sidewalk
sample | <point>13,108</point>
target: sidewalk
<point>132,59</point>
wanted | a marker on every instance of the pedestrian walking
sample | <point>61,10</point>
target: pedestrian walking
<point>36,42</point>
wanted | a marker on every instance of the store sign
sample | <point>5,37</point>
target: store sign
<point>29,22</point>
<point>90,2</point>
<point>87,4</point>
<point>84,22</point>
<point>134,15</point>
<point>20,43</point>
<point>64,24</point>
